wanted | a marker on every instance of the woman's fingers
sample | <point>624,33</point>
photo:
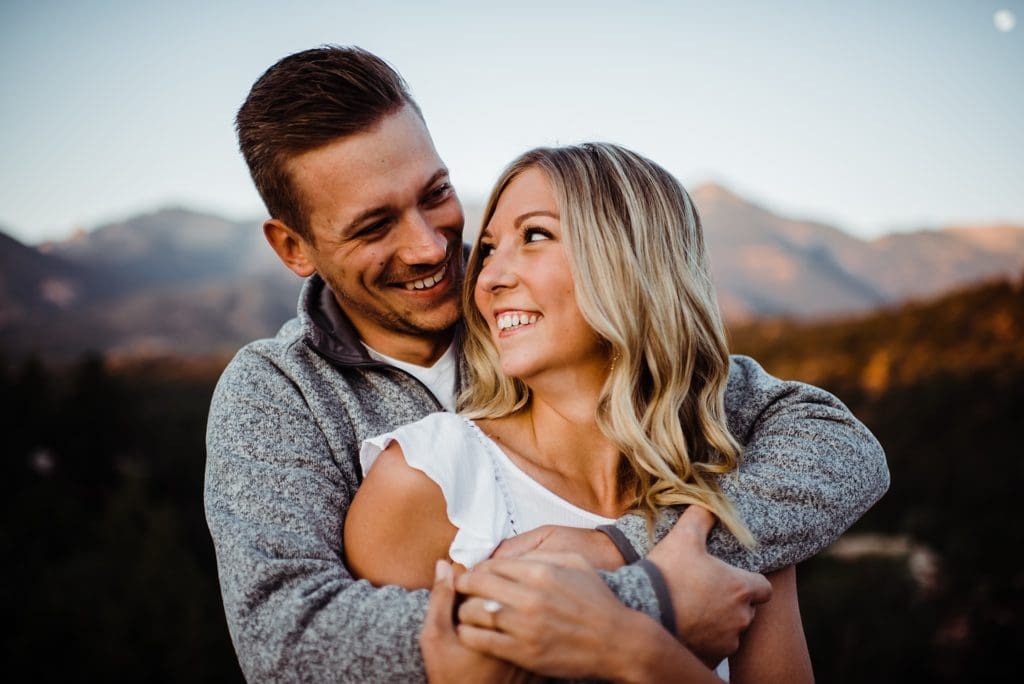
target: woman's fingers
<point>483,582</point>
<point>492,643</point>
<point>508,594</point>
<point>535,570</point>
<point>487,614</point>
<point>438,623</point>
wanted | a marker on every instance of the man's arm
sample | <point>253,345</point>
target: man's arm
<point>808,471</point>
<point>275,502</point>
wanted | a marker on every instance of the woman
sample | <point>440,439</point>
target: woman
<point>596,371</point>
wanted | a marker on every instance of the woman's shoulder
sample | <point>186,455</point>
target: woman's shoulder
<point>442,457</point>
<point>397,525</point>
<point>440,425</point>
<point>437,442</point>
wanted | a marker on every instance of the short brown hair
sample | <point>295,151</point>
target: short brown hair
<point>306,100</point>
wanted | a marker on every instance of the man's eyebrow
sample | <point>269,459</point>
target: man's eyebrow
<point>438,175</point>
<point>384,210</point>
<point>530,214</point>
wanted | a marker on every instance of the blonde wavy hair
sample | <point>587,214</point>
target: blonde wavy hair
<point>636,251</point>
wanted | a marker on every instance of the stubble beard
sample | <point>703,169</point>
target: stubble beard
<point>424,325</point>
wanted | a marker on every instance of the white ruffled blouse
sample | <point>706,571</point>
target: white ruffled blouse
<point>488,497</point>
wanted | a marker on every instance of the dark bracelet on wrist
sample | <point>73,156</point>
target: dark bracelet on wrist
<point>618,537</point>
<point>668,614</point>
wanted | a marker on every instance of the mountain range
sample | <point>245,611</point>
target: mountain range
<point>770,265</point>
<point>185,283</point>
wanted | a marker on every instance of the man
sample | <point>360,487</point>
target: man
<point>361,206</point>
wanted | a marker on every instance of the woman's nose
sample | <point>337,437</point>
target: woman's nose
<point>498,272</point>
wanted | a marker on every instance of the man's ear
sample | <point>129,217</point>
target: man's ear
<point>291,247</point>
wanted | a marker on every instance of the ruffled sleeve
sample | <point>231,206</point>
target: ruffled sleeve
<point>444,447</point>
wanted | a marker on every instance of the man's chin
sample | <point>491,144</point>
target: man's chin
<point>434,322</point>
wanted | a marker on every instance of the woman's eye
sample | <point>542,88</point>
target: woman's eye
<point>537,234</point>
<point>485,250</point>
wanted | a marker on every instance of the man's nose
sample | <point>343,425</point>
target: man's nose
<point>422,242</point>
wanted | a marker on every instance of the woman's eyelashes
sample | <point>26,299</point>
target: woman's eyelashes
<point>533,234</point>
<point>529,234</point>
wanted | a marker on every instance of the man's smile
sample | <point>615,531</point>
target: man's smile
<point>427,282</point>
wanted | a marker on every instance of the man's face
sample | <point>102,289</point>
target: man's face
<point>387,229</point>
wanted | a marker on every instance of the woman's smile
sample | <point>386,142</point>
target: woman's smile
<point>509,321</point>
<point>526,290</point>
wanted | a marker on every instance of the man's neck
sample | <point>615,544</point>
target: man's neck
<point>419,350</point>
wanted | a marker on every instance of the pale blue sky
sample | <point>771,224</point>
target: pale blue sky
<point>874,115</point>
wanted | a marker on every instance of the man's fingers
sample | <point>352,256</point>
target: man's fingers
<point>697,519</point>
<point>438,622</point>
<point>516,546</point>
<point>563,560</point>
<point>761,589</point>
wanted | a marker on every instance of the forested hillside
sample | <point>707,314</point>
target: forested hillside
<point>110,564</point>
<point>941,383</point>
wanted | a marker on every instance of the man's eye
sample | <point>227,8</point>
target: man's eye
<point>374,229</point>
<point>440,193</point>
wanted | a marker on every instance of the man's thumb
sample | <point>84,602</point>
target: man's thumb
<point>697,520</point>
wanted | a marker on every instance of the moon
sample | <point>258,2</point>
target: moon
<point>1004,20</point>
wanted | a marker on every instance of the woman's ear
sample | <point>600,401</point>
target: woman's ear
<point>292,248</point>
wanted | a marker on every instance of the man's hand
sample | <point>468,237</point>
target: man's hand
<point>446,659</point>
<point>713,601</point>
<point>595,547</point>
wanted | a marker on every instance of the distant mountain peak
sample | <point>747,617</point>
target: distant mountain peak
<point>715,192</point>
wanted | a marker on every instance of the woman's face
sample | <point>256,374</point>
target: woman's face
<point>525,290</point>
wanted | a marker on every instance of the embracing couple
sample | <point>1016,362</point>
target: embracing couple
<point>516,430</point>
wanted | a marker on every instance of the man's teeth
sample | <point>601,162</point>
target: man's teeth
<point>429,281</point>
<point>513,320</point>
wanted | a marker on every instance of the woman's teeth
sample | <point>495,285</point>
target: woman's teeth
<point>429,281</point>
<point>513,320</point>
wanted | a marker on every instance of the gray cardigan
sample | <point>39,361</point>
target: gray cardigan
<point>285,425</point>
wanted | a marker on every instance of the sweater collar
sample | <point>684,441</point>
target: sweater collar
<point>328,331</point>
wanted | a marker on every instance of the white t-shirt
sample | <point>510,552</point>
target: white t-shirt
<point>439,378</point>
<point>488,497</point>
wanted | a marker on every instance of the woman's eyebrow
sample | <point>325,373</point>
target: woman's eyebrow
<point>531,214</point>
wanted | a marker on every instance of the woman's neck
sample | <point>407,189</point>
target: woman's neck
<point>557,434</point>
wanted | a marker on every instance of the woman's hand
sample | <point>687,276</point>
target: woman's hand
<point>553,614</point>
<point>446,659</point>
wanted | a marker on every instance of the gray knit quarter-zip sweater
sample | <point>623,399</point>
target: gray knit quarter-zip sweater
<point>285,425</point>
